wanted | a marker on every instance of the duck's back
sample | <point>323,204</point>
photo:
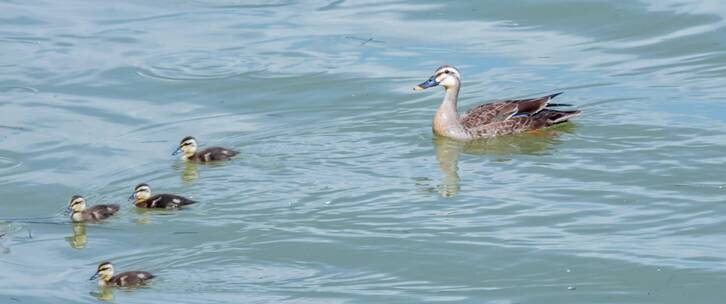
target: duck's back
<point>513,116</point>
<point>503,110</point>
<point>130,278</point>
<point>214,154</point>
<point>168,201</point>
<point>100,212</point>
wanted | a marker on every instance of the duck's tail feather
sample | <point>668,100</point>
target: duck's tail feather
<point>551,105</point>
<point>187,202</point>
<point>555,117</point>
<point>555,95</point>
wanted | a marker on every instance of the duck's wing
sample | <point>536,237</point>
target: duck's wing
<point>215,154</point>
<point>543,118</point>
<point>488,113</point>
<point>168,201</point>
<point>131,278</point>
<point>504,110</point>
<point>99,212</point>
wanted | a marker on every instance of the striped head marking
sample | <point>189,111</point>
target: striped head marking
<point>77,204</point>
<point>445,75</point>
<point>141,193</point>
<point>188,146</point>
<point>104,271</point>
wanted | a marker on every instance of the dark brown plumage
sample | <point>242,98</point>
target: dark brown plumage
<point>129,278</point>
<point>513,116</point>
<point>168,201</point>
<point>99,212</point>
<point>213,154</point>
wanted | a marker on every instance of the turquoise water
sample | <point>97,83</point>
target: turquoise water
<point>341,193</point>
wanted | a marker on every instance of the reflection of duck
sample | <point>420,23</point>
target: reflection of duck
<point>492,119</point>
<point>448,151</point>
<point>106,294</point>
<point>79,239</point>
<point>189,171</point>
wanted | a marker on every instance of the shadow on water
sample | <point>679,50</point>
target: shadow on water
<point>448,151</point>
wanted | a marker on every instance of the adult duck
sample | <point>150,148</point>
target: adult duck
<point>492,119</point>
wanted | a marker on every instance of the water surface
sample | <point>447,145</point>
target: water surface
<point>341,193</point>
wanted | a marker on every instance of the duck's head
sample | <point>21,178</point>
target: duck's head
<point>141,193</point>
<point>446,76</point>
<point>188,146</point>
<point>104,271</point>
<point>77,204</point>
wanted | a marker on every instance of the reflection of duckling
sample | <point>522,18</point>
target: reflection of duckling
<point>79,212</point>
<point>189,171</point>
<point>143,199</point>
<point>124,279</point>
<point>79,239</point>
<point>188,146</point>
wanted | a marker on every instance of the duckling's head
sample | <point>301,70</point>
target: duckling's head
<point>77,204</point>
<point>446,76</point>
<point>188,146</point>
<point>104,271</point>
<point>141,193</point>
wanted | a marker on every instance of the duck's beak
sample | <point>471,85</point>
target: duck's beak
<point>426,84</point>
<point>178,149</point>
<point>94,276</point>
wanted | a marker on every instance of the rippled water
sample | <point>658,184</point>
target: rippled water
<point>342,194</point>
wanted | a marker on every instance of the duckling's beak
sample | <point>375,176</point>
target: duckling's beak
<point>68,211</point>
<point>178,149</point>
<point>131,197</point>
<point>94,276</point>
<point>426,84</point>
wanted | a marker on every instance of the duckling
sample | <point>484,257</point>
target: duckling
<point>124,279</point>
<point>188,145</point>
<point>79,212</point>
<point>492,119</point>
<point>143,199</point>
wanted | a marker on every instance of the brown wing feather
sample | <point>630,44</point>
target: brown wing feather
<point>131,278</point>
<point>488,113</point>
<point>541,119</point>
<point>215,154</point>
<point>100,212</point>
<point>509,126</point>
<point>506,117</point>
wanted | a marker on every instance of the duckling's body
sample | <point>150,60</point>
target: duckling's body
<point>493,119</point>
<point>79,212</point>
<point>188,146</point>
<point>124,279</point>
<point>143,199</point>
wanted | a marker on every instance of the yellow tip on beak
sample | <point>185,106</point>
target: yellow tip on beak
<point>418,88</point>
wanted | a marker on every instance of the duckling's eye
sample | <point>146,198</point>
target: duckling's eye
<point>446,71</point>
